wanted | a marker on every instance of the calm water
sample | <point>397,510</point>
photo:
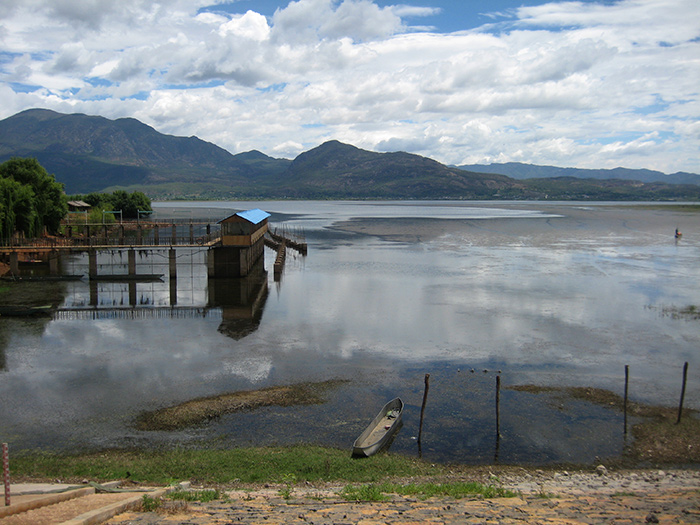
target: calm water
<point>538,293</point>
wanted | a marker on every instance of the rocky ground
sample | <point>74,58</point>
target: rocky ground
<point>552,497</point>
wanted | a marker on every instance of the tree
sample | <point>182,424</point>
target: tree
<point>40,204</point>
<point>129,203</point>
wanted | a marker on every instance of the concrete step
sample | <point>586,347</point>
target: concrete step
<point>39,504</point>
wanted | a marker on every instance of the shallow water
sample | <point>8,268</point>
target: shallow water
<point>536,293</point>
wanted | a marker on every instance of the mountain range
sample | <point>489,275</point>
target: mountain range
<point>518,170</point>
<point>94,154</point>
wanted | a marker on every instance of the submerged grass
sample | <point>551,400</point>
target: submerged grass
<point>201,410</point>
<point>658,437</point>
<point>223,467</point>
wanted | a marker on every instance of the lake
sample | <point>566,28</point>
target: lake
<point>535,293</point>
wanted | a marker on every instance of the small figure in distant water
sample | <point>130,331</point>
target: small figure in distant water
<point>678,234</point>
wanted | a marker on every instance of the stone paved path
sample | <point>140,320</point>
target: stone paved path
<point>561,498</point>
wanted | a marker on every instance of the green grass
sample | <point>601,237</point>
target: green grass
<point>149,504</point>
<point>363,493</point>
<point>203,496</point>
<point>242,465</point>
<point>456,490</point>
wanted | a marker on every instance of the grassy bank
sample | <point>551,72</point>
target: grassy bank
<point>223,467</point>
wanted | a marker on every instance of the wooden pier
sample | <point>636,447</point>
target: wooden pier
<point>228,255</point>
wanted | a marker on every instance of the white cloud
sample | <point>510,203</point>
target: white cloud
<point>567,83</point>
<point>251,25</point>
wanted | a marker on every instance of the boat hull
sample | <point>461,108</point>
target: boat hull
<point>380,431</point>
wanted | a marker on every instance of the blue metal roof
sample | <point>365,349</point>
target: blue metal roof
<point>255,216</point>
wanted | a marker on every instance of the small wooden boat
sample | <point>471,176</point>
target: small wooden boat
<point>380,431</point>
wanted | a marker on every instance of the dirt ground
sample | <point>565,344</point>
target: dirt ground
<point>64,511</point>
<point>562,497</point>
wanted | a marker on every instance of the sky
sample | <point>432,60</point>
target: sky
<point>588,84</point>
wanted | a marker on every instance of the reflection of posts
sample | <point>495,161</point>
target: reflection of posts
<point>132,293</point>
<point>93,292</point>
<point>54,262</point>
<point>92,264</point>
<point>132,262</point>
<point>242,301</point>
<point>172,266</point>
<point>173,292</point>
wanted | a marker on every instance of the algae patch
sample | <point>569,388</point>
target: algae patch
<point>204,409</point>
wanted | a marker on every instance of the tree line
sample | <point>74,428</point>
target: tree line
<point>30,199</point>
<point>33,202</point>
<point>131,205</point>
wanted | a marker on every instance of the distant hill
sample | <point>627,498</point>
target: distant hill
<point>89,153</point>
<point>518,170</point>
<point>338,170</point>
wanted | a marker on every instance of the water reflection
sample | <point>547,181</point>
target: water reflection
<point>554,295</point>
<point>242,301</point>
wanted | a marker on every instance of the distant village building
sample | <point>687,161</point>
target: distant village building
<point>78,206</point>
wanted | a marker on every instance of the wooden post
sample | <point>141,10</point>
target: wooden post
<point>627,382</point>
<point>685,379</point>
<point>14,263</point>
<point>6,472</point>
<point>422,408</point>
<point>498,407</point>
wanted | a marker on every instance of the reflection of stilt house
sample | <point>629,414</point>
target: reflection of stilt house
<point>242,244</point>
<point>241,300</point>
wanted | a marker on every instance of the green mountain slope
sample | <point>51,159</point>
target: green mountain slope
<point>88,153</point>
<point>337,170</point>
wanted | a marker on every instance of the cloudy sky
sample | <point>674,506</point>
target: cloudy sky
<point>594,84</point>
